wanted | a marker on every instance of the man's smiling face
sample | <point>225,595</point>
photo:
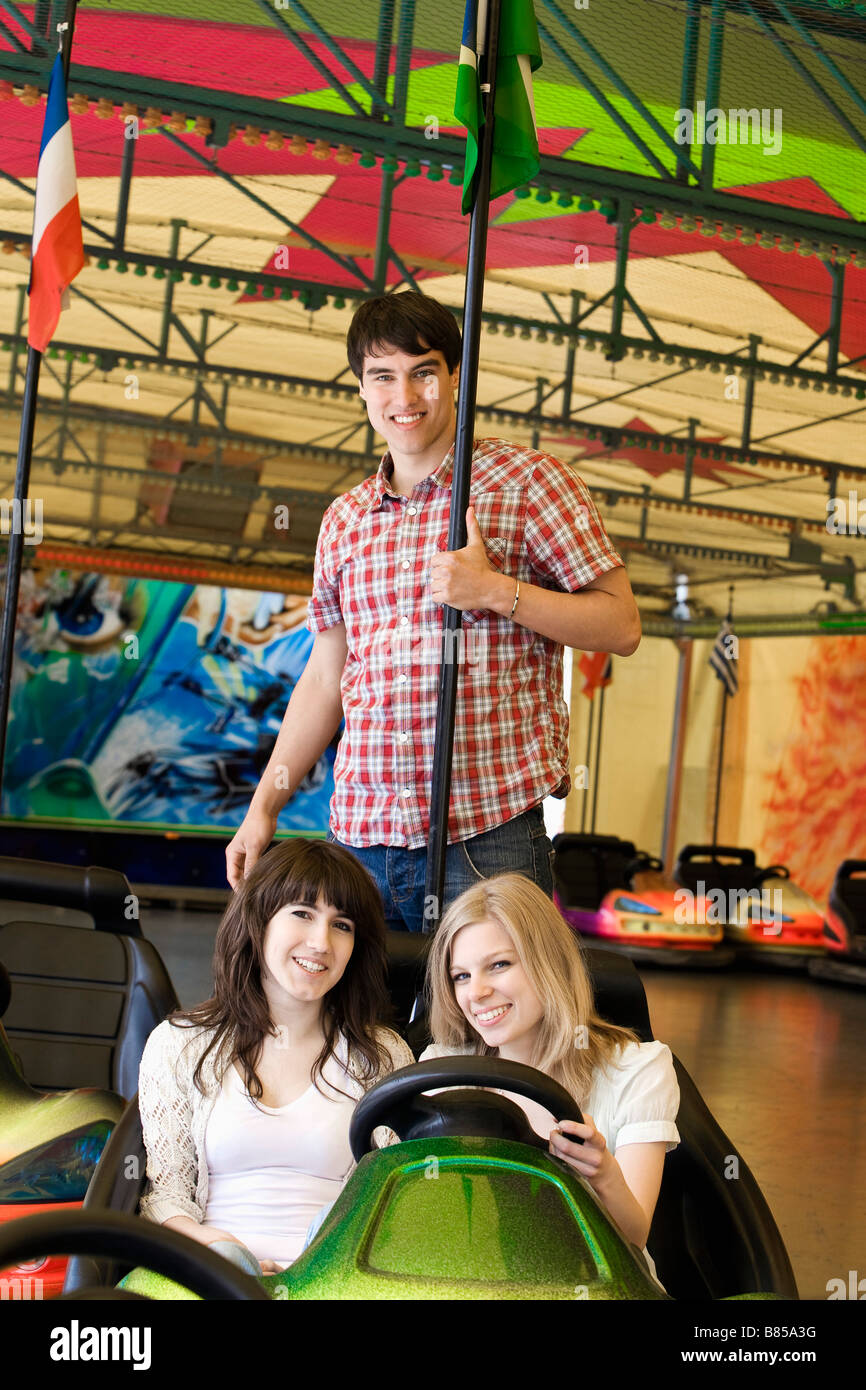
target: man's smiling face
<point>410,403</point>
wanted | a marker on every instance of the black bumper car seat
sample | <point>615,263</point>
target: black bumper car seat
<point>587,867</point>
<point>845,928</point>
<point>84,1001</point>
<point>704,864</point>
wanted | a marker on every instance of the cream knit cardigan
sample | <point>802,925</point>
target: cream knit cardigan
<point>174,1115</point>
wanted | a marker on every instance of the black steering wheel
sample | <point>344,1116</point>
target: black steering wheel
<point>133,1240</point>
<point>398,1102</point>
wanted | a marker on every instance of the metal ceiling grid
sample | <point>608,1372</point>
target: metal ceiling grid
<point>640,270</point>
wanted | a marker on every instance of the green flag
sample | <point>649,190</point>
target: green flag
<point>515,136</point>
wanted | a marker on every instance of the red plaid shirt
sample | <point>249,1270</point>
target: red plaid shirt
<point>540,526</point>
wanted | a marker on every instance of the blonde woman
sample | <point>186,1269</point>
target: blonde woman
<point>506,978</point>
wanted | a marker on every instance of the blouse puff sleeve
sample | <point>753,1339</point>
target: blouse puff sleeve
<point>166,1121</point>
<point>647,1096</point>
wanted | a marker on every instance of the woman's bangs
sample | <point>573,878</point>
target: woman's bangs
<point>311,877</point>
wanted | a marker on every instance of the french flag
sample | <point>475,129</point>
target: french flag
<point>58,250</point>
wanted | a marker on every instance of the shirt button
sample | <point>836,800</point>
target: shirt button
<point>411,510</point>
<point>403,621</point>
<point>404,738</point>
<point>406,792</point>
<point>404,565</point>
<point>402,677</point>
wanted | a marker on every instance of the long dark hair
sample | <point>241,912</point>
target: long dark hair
<point>298,871</point>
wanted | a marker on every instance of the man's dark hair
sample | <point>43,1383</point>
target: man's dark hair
<point>408,322</point>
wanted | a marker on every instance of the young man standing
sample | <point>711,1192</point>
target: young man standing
<point>538,573</point>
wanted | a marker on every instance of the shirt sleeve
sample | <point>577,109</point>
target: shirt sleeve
<point>166,1122</point>
<point>323,610</point>
<point>647,1097</point>
<point>565,536</point>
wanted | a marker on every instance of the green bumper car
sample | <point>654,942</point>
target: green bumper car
<point>471,1205</point>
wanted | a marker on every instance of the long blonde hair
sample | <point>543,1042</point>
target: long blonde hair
<point>572,1040</point>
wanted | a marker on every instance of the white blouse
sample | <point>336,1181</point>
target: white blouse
<point>175,1115</point>
<point>271,1169</point>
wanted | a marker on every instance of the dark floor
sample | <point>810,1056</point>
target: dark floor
<point>779,1059</point>
<point>781,1063</point>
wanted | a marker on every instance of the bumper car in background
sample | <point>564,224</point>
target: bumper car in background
<point>768,919</point>
<point>78,1003</point>
<point>620,897</point>
<point>845,928</point>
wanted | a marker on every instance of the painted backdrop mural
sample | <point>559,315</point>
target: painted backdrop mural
<point>142,701</point>
<point>816,806</point>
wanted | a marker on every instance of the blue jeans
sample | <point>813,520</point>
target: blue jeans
<point>519,846</point>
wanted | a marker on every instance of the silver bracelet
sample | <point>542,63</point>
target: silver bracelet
<point>516,597</point>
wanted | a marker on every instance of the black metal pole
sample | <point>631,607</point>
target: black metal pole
<point>440,794</point>
<point>725,699</point>
<point>597,768</point>
<point>15,552</point>
<point>584,810</point>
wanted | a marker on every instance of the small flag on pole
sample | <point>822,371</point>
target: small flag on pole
<point>723,658</point>
<point>58,251</point>
<point>515,134</point>
<point>597,668</point>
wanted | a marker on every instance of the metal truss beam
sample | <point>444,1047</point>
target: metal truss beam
<point>665,549</point>
<point>267,7</point>
<point>611,436</point>
<point>211,477</point>
<point>796,625</point>
<point>823,57</point>
<point>286,286</point>
<point>230,483</point>
<point>712,205</point>
<point>683,160</point>
<point>346,263</point>
<point>371,133</point>
<point>287,578</point>
<point>24,23</point>
<point>793,61</point>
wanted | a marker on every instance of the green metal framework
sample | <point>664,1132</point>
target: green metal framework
<point>680,193</point>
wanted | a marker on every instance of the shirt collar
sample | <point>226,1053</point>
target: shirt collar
<point>440,477</point>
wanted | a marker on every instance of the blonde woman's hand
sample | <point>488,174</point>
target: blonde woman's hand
<point>591,1159</point>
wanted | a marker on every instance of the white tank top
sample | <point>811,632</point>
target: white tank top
<point>270,1170</point>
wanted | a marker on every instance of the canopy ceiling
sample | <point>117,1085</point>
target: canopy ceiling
<point>290,159</point>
